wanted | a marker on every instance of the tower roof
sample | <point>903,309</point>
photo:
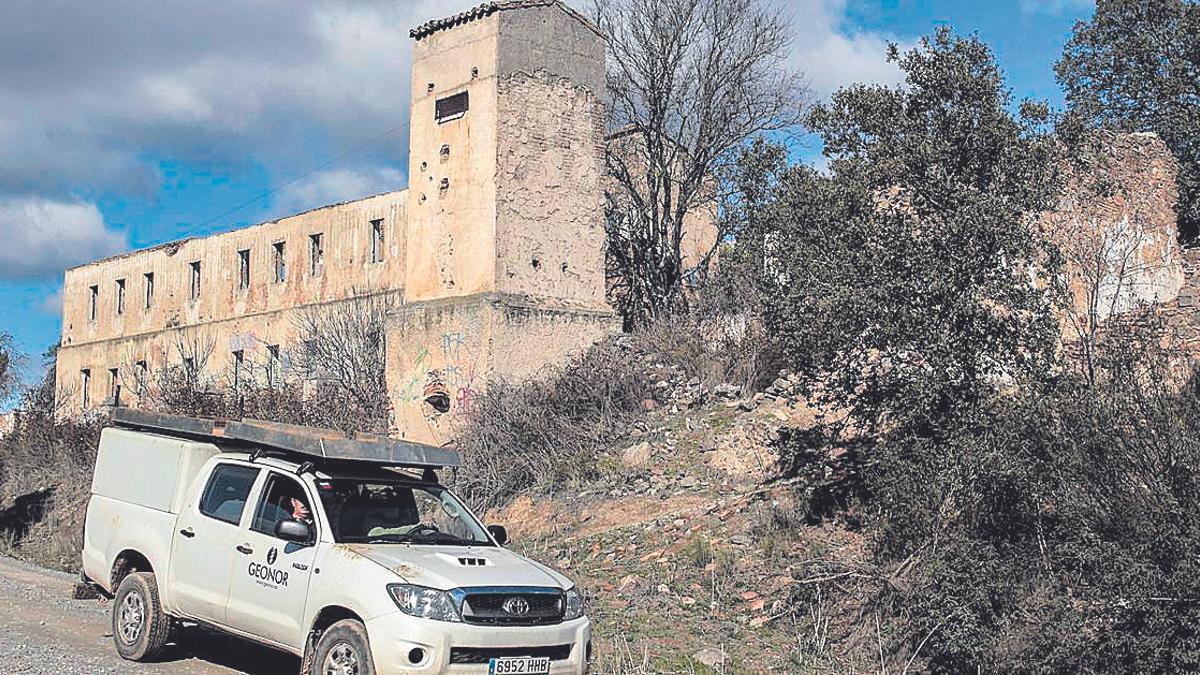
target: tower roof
<point>488,8</point>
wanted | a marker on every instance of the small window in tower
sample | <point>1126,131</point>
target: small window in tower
<point>149,299</point>
<point>280,263</point>
<point>194,292</point>
<point>244,269</point>
<point>93,300</point>
<point>377,240</point>
<point>85,387</point>
<point>451,107</point>
<point>120,297</point>
<point>316,254</point>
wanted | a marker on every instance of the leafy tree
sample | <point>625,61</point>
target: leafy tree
<point>1135,66</point>
<point>905,278</point>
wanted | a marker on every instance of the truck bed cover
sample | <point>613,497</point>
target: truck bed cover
<point>291,439</point>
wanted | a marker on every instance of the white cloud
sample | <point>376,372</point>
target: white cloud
<point>329,187</point>
<point>833,55</point>
<point>41,237</point>
<point>1056,7</point>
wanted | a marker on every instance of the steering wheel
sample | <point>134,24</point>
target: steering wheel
<point>422,528</point>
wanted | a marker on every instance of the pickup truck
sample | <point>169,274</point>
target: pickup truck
<point>357,566</point>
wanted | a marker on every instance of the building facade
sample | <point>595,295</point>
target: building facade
<point>494,255</point>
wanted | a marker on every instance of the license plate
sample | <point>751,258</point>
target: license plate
<point>520,665</point>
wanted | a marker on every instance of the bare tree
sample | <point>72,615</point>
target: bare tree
<point>10,363</point>
<point>342,347</point>
<point>690,82</point>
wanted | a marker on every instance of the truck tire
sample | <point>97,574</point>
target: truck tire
<point>343,650</point>
<point>140,628</point>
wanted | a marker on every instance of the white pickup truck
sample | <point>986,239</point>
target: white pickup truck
<point>356,565</point>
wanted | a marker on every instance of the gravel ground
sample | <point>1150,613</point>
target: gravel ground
<point>42,630</point>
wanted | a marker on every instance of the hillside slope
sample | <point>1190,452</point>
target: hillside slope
<point>690,547</point>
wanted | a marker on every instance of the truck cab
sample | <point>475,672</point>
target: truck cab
<point>357,566</point>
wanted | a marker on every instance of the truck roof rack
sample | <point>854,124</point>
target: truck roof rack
<point>292,439</point>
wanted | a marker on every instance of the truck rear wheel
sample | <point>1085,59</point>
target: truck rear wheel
<point>343,650</point>
<point>140,628</point>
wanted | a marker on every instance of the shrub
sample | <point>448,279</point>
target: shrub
<point>548,431</point>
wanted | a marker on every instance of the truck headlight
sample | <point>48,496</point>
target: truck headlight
<point>573,604</point>
<point>427,603</point>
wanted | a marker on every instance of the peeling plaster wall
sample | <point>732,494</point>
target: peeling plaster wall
<point>1117,227</point>
<point>225,315</point>
<point>550,227</point>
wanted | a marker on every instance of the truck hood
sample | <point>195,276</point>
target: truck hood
<point>446,567</point>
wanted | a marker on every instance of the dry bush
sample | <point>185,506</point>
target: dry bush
<point>718,335</point>
<point>549,431</point>
<point>45,472</point>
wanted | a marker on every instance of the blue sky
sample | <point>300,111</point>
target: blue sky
<point>125,124</point>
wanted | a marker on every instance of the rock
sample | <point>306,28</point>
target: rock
<point>663,589</point>
<point>688,482</point>
<point>637,455</point>
<point>649,404</point>
<point>713,658</point>
<point>739,540</point>
<point>687,600</point>
<point>727,390</point>
<point>781,385</point>
<point>748,405</point>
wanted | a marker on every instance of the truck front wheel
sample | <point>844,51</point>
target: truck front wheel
<point>343,650</point>
<point>140,628</point>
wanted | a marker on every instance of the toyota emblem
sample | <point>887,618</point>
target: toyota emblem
<point>517,606</point>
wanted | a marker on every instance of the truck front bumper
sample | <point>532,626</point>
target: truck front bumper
<point>396,638</point>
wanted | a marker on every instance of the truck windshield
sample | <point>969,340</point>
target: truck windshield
<point>379,512</point>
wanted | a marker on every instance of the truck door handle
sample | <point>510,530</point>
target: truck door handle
<point>244,549</point>
<point>187,532</point>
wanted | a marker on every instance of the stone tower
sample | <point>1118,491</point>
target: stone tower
<point>506,154</point>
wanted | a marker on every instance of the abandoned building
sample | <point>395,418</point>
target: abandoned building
<point>494,252</point>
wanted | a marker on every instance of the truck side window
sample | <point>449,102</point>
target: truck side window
<point>225,495</point>
<point>283,499</point>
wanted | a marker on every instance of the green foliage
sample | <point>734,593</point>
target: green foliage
<point>1135,66</point>
<point>904,277</point>
<point>1021,519</point>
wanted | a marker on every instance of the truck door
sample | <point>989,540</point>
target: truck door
<point>202,547</point>
<point>269,586</point>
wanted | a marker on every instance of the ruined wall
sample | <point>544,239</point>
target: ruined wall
<point>452,197</point>
<point>550,164</point>
<point>443,353</point>
<point>226,316</point>
<point>1115,226</point>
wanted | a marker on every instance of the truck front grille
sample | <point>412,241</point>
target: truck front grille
<point>516,606</point>
<point>485,654</point>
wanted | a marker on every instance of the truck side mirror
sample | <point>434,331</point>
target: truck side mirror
<point>498,533</point>
<point>296,531</point>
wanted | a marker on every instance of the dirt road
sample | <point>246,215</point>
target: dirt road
<point>42,630</point>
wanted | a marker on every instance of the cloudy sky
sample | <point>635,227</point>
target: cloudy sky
<point>126,123</point>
